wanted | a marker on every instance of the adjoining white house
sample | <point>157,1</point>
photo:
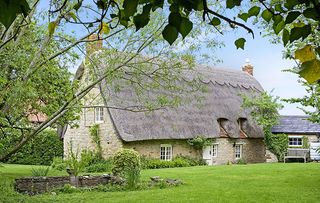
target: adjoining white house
<point>301,132</point>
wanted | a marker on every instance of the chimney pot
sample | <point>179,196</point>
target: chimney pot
<point>247,67</point>
<point>94,45</point>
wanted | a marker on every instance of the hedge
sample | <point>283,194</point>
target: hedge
<point>39,151</point>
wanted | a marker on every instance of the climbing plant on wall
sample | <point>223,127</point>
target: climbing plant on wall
<point>95,136</point>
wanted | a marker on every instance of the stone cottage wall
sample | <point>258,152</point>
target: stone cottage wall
<point>80,137</point>
<point>253,149</point>
<point>151,148</point>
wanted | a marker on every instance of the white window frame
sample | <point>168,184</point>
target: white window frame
<point>98,114</point>
<point>295,137</point>
<point>238,154</point>
<point>166,152</point>
<point>215,150</point>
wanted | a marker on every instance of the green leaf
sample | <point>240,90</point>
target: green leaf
<point>175,19</point>
<point>232,3</point>
<point>305,54</point>
<point>300,32</point>
<point>185,27</point>
<point>51,28</point>
<point>285,37</point>
<point>170,34</point>
<point>277,19</point>
<point>101,4</point>
<point>104,28</point>
<point>73,16</point>
<point>292,16</point>
<point>10,9</point>
<point>77,5</point>
<point>157,4</point>
<point>310,71</point>
<point>279,8</point>
<point>311,13</point>
<point>113,15</point>
<point>291,3</point>
<point>142,19</point>
<point>254,11</point>
<point>266,15</point>
<point>244,16</point>
<point>215,21</point>
<point>278,27</point>
<point>130,7</point>
<point>240,43</point>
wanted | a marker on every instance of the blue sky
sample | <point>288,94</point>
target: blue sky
<point>266,59</point>
<point>268,62</point>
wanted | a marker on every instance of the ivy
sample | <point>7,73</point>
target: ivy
<point>264,110</point>
<point>199,142</point>
<point>95,136</point>
<point>305,142</point>
<point>277,144</point>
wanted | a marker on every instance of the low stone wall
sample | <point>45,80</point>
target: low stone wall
<point>37,185</point>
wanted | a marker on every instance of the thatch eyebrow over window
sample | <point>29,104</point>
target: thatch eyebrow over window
<point>223,123</point>
<point>243,123</point>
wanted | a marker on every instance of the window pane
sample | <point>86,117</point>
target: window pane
<point>295,141</point>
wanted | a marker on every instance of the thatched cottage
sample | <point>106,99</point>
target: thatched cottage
<point>164,133</point>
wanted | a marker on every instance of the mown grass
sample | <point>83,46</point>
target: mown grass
<point>231,183</point>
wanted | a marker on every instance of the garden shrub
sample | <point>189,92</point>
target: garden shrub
<point>101,166</point>
<point>39,151</point>
<point>126,163</point>
<point>58,164</point>
<point>40,171</point>
<point>94,163</point>
<point>277,144</point>
<point>305,142</point>
<point>178,161</point>
<point>192,161</point>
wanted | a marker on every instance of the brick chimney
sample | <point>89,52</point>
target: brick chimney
<point>94,45</point>
<point>247,67</point>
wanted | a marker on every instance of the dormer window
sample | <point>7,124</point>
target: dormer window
<point>98,111</point>
<point>223,126</point>
<point>242,122</point>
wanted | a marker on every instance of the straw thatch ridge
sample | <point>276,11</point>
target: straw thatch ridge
<point>222,100</point>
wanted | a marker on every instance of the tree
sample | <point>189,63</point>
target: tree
<point>294,20</point>
<point>264,110</point>
<point>40,95</point>
<point>40,59</point>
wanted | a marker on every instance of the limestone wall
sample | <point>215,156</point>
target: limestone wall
<point>38,185</point>
<point>80,137</point>
<point>253,150</point>
<point>151,148</point>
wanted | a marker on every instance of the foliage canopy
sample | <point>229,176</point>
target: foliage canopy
<point>293,20</point>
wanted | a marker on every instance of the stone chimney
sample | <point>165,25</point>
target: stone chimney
<point>247,67</point>
<point>94,45</point>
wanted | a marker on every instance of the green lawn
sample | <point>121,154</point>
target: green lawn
<point>231,183</point>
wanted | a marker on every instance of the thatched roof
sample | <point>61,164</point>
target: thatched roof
<point>222,100</point>
<point>296,125</point>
